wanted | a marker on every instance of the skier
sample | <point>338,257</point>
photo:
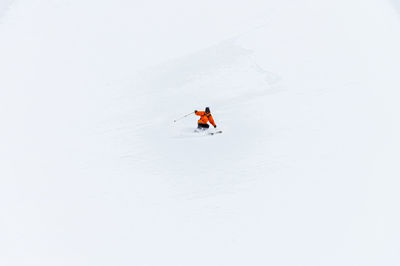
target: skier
<point>205,117</point>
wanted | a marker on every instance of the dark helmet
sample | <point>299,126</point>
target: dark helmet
<point>207,110</point>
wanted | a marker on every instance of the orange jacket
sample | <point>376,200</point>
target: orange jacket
<point>204,118</point>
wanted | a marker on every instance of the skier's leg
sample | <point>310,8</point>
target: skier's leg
<point>202,126</point>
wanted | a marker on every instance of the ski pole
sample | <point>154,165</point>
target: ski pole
<point>183,117</point>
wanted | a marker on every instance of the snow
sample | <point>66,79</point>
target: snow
<point>93,170</point>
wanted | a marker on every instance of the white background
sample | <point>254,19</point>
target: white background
<point>93,171</point>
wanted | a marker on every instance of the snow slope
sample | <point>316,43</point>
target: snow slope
<point>95,172</point>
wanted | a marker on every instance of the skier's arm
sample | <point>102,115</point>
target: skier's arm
<point>211,119</point>
<point>199,113</point>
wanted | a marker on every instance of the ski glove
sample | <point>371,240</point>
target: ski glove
<point>195,111</point>
<point>215,126</point>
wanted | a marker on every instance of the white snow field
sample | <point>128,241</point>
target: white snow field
<point>93,170</point>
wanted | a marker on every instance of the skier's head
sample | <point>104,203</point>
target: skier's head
<point>207,110</point>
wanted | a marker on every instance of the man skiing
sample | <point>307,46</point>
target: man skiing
<point>205,117</point>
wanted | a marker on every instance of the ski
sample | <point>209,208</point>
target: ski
<point>216,132</point>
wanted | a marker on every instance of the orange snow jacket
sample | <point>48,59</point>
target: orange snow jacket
<point>204,118</point>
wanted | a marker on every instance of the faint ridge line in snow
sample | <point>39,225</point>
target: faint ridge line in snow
<point>217,68</point>
<point>271,77</point>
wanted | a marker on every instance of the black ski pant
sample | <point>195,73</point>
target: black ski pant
<point>203,126</point>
